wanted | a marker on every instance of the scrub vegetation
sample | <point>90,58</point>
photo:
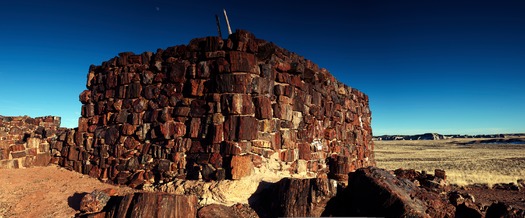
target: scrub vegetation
<point>466,161</point>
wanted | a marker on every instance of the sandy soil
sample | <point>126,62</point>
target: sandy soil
<point>45,191</point>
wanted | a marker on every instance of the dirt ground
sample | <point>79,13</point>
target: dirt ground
<point>45,191</point>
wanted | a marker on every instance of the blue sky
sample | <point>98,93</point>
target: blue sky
<point>453,67</point>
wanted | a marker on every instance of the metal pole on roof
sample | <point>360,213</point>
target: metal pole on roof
<point>227,22</point>
<point>218,25</point>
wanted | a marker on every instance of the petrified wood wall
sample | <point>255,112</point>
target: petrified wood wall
<point>24,141</point>
<point>215,109</point>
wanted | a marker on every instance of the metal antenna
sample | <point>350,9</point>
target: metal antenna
<point>218,25</point>
<point>227,22</point>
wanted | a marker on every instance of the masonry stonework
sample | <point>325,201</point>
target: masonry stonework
<point>25,141</point>
<point>215,109</point>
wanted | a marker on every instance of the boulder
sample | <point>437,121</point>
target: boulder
<point>376,192</point>
<point>95,201</point>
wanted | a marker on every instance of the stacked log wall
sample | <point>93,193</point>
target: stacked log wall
<point>25,141</point>
<point>215,109</point>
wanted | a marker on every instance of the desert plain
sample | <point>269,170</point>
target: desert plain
<point>465,160</point>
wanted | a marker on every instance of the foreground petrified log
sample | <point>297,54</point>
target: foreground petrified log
<point>155,205</point>
<point>293,197</point>
<point>376,192</point>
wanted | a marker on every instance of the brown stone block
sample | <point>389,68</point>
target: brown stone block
<point>218,133</point>
<point>179,129</point>
<point>181,111</point>
<point>242,62</point>
<point>165,114</point>
<point>128,129</point>
<point>196,147</point>
<point>198,108</point>
<point>83,124</point>
<point>231,148</point>
<point>263,107</point>
<point>18,154</point>
<point>241,166</point>
<point>215,54</point>
<point>234,83</point>
<point>230,128</point>
<point>151,92</point>
<point>221,65</point>
<point>216,160</point>
<point>88,110</point>
<point>262,86</point>
<point>261,144</point>
<point>196,87</point>
<point>247,129</point>
<point>237,104</point>
<point>289,155</point>
<point>85,97</point>
<point>329,134</point>
<point>203,69</point>
<point>283,66</point>
<point>42,159</point>
<point>304,151</point>
<point>176,72</point>
<point>195,127</point>
<point>134,90</point>
<point>263,152</point>
<point>282,111</point>
<point>73,153</point>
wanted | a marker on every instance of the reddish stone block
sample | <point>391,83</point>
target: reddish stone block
<point>177,71</point>
<point>198,108</point>
<point>329,134</point>
<point>241,166</point>
<point>88,110</point>
<point>216,160</point>
<point>197,87</point>
<point>134,90</point>
<point>283,66</point>
<point>263,107</point>
<point>179,129</point>
<point>247,128</point>
<point>218,133</point>
<point>242,62</point>
<point>257,161</point>
<point>283,111</point>
<point>139,105</point>
<point>196,147</point>
<point>128,129</point>
<point>181,111</point>
<point>221,65</point>
<point>238,104</point>
<point>276,141</point>
<point>234,83</point>
<point>83,124</point>
<point>231,148</point>
<point>85,97</point>
<point>195,127</point>
<point>73,153</point>
<point>304,151</point>
<point>230,128</point>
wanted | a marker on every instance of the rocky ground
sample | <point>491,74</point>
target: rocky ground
<point>45,191</point>
<point>55,192</point>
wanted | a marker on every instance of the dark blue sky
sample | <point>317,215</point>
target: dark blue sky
<point>427,65</point>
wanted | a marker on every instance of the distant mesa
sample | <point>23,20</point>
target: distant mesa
<point>437,136</point>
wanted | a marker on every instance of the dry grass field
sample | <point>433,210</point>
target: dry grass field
<point>464,164</point>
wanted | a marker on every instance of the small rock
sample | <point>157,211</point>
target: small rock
<point>96,200</point>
